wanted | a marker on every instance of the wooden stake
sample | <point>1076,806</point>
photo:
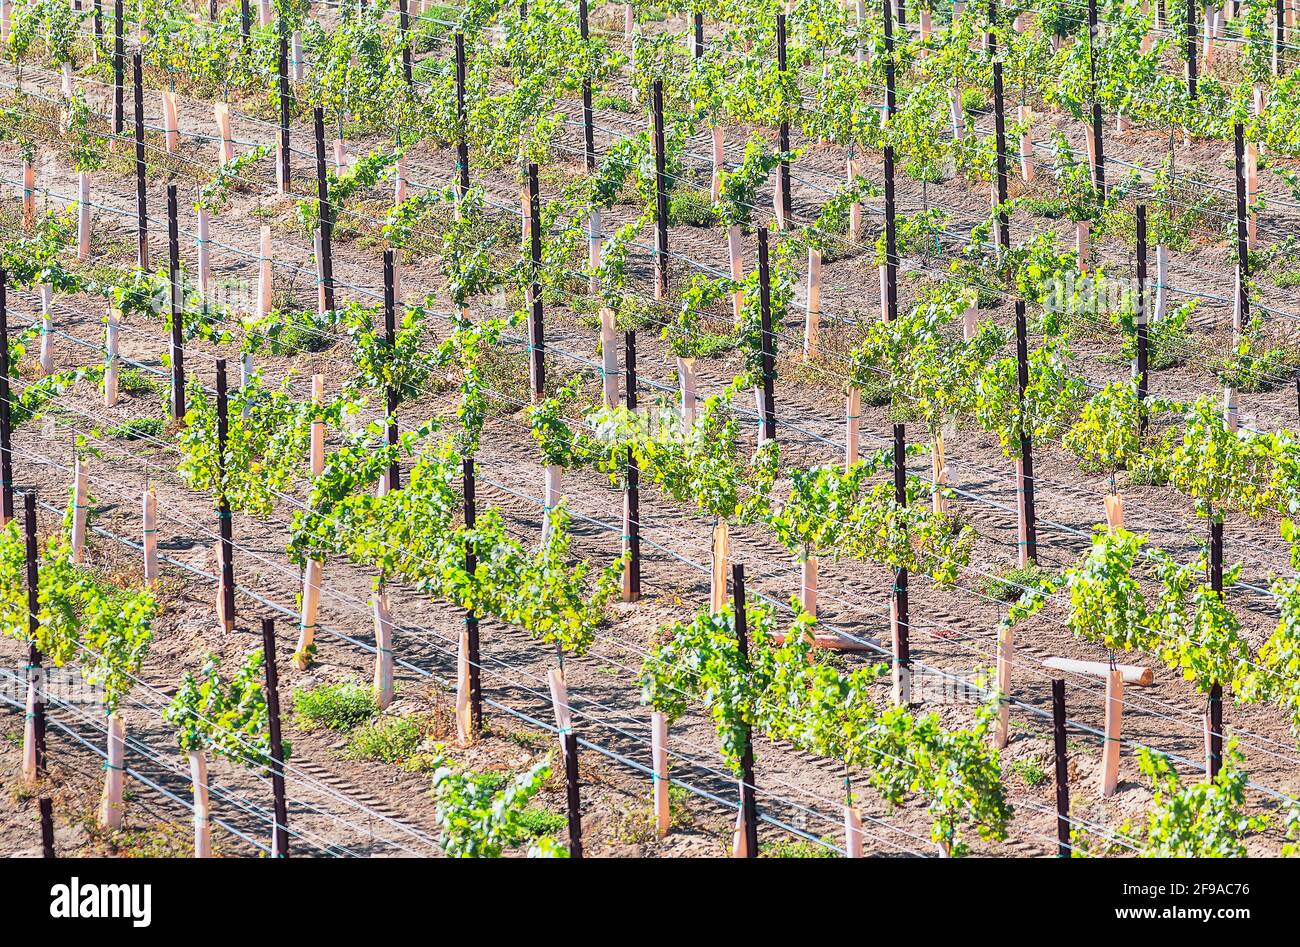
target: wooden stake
<point>900,625</point>
<point>768,339</point>
<point>29,194</point>
<point>746,845</point>
<point>1241,312</point>
<point>404,34</point>
<point>47,826</point>
<point>569,747</point>
<point>661,194</point>
<point>1028,538</point>
<point>390,335</point>
<point>177,304</point>
<point>588,122</point>
<point>474,666</point>
<point>325,215</point>
<point>6,416</point>
<point>718,137</point>
<point>227,545</point>
<point>462,140</point>
<point>1062,769</point>
<point>141,189</point>
<point>285,176</point>
<point>719,555</point>
<point>537,332</point>
<point>1000,140</point>
<point>34,720</point>
<point>783,135</point>
<point>1141,369</point>
<point>280,829</point>
<point>119,68</point>
<point>631,495</point>
<point>1214,714</point>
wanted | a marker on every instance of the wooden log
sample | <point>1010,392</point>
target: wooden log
<point>1132,674</point>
